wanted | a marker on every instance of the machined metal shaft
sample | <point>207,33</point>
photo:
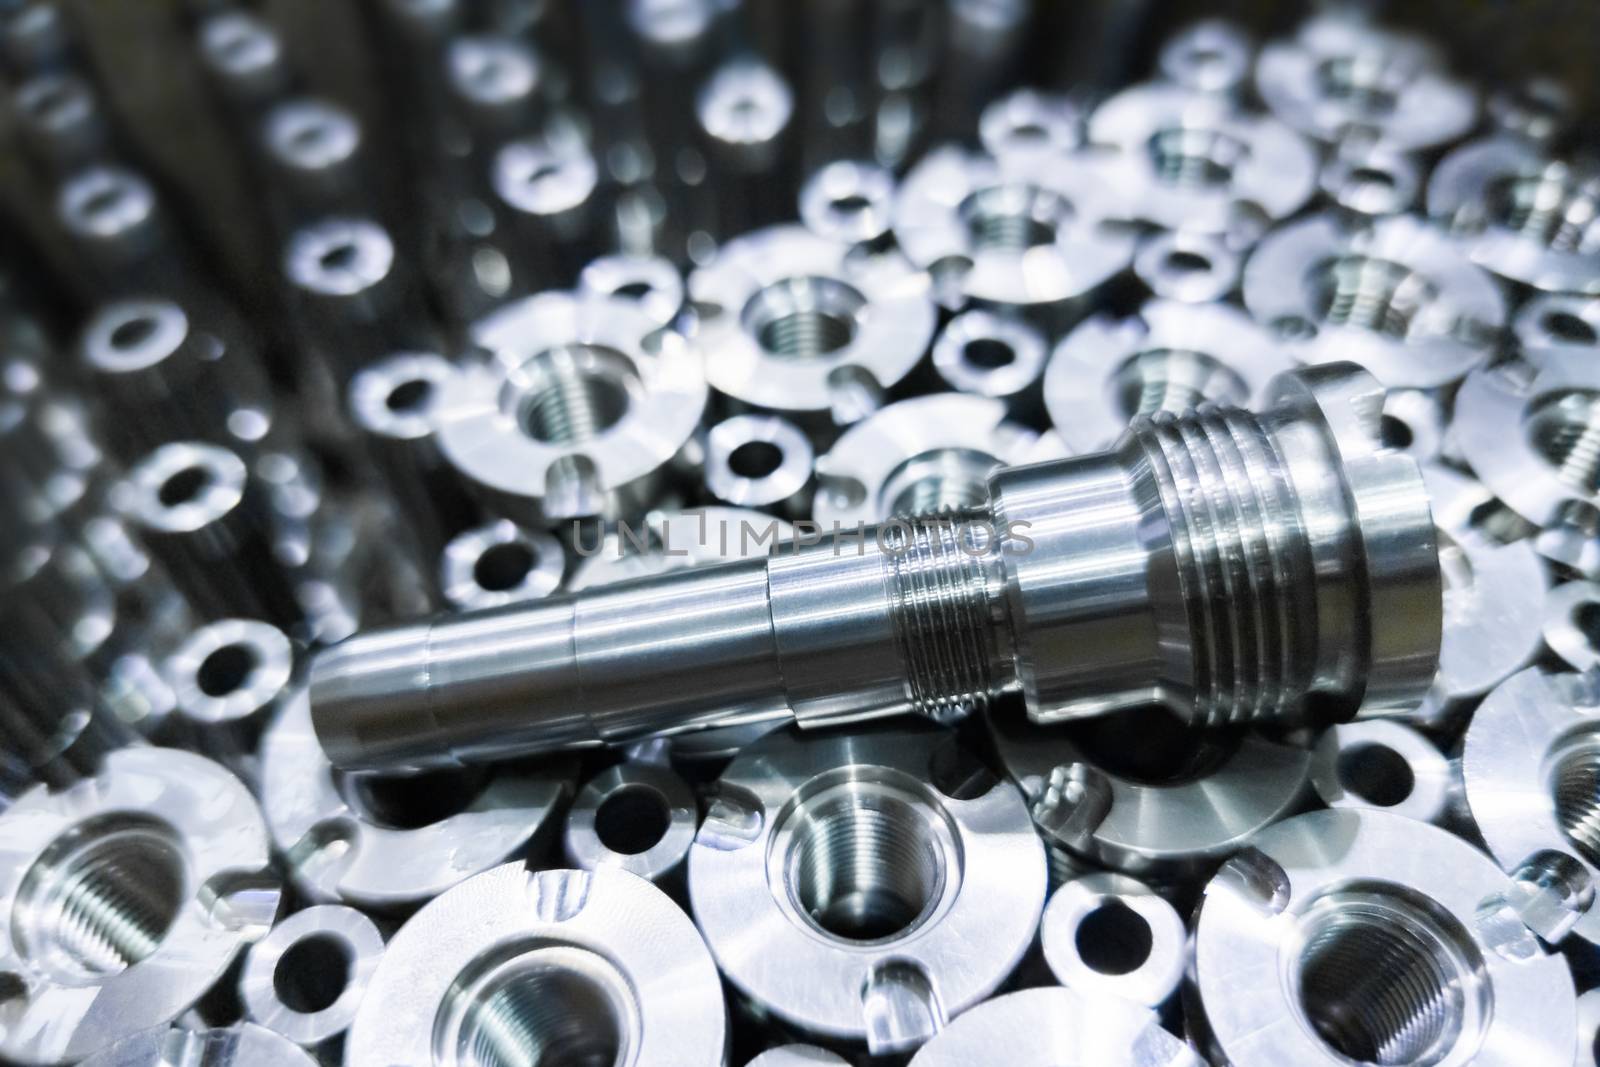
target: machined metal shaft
<point>1232,566</point>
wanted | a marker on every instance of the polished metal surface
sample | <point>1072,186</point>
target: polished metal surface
<point>1108,935</point>
<point>500,563</point>
<point>638,817</point>
<point>1384,766</point>
<point>1056,1027</point>
<point>241,1045</point>
<point>306,979</point>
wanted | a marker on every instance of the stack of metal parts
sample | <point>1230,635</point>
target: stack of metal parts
<point>1092,476</point>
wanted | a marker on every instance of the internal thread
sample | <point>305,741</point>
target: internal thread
<point>1576,788</point>
<point>1551,209</point>
<point>1374,294</point>
<point>1240,556</point>
<point>940,601</point>
<point>575,408</point>
<point>545,1017</point>
<point>1010,232</point>
<point>1188,158</point>
<point>1381,987</point>
<point>1175,380</point>
<point>866,865</point>
<point>1565,429</point>
<point>807,334</point>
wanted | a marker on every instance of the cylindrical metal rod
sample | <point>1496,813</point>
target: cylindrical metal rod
<point>1234,567</point>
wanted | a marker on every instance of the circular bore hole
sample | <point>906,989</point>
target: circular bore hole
<point>411,801</point>
<point>339,257</point>
<point>1374,294</point>
<point>1363,82</point>
<point>1029,132</point>
<point>1180,261</point>
<point>226,669</point>
<point>101,897</point>
<point>989,353</point>
<point>504,566</point>
<point>134,332</point>
<point>755,459</point>
<point>1114,939</point>
<point>1372,176</point>
<point>1565,326</point>
<point>1564,428</point>
<point>183,486</point>
<point>1192,158</point>
<point>1394,433</point>
<point>103,201</point>
<point>633,290</point>
<point>409,396</point>
<point>1377,774</point>
<point>851,204</point>
<point>632,820</point>
<point>1586,617</point>
<point>575,393</point>
<point>312,973</point>
<point>1384,977</point>
<point>866,866</point>
<point>543,1016</point>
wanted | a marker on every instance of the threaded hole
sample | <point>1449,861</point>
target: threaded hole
<point>544,1016</point>
<point>574,393</point>
<point>1374,294</point>
<point>101,897</point>
<point>804,318</point>
<point>1377,774</point>
<point>409,396</point>
<point>1552,208</point>
<point>755,459</point>
<point>226,669</point>
<point>312,973</point>
<point>866,866</point>
<point>1167,379</point>
<point>1384,978</point>
<point>1114,939</point>
<point>1364,83</point>
<point>411,801</point>
<point>1190,158</point>
<point>183,486</point>
<point>632,820</point>
<point>1564,428</point>
<point>504,566</point>
<point>1014,218</point>
<point>1575,785</point>
<point>134,332</point>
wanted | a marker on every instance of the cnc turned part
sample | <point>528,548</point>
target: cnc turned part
<point>1194,268</point>
<point>1383,765</point>
<point>850,202</point>
<point>228,680</point>
<point>391,843</point>
<point>125,898</point>
<point>1562,321</point>
<point>242,1045</point>
<point>1209,56</point>
<point>500,563</point>
<point>651,282</point>
<point>1531,761</point>
<point>637,817</point>
<point>1369,181</point>
<point>519,966</point>
<point>1108,935</point>
<point>306,979</point>
<point>797,1056</point>
<point>761,462</point>
<point>984,354</point>
<point>1307,587</point>
<point>843,862</point>
<point>1056,1028</point>
<point>1362,936</point>
<point>1571,625</point>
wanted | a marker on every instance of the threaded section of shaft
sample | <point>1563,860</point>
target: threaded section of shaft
<point>1240,551</point>
<point>939,588</point>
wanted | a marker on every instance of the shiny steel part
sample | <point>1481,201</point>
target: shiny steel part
<point>797,1056</point>
<point>1209,56</point>
<point>1557,320</point>
<point>1398,297</point>
<point>395,404</point>
<point>1535,447</point>
<point>1370,180</point>
<point>315,156</point>
<point>519,966</point>
<point>1572,624</point>
<point>744,113</point>
<point>146,355</point>
<point>1195,161</point>
<point>208,519</point>
<point>500,563</point>
<point>496,88</point>
<point>1194,268</point>
<point>996,356</point>
<point>1416,422</point>
<point>1537,108</point>
<point>307,977</point>
<point>651,282</point>
<point>1363,936</point>
<point>1055,1027</point>
<point>1012,233</point>
<point>786,327</point>
<point>60,121</point>
<point>1387,766</point>
<point>1171,356</point>
<point>761,462</point>
<point>1108,935</point>
<point>672,540</point>
<point>1531,761</point>
<point>910,617</point>
<point>850,202</point>
<point>1030,125</point>
<point>241,1045</point>
<point>391,843</point>
<point>111,215</point>
<point>243,55</point>
<point>918,456</point>
<point>125,899</point>
<point>1589,1029</point>
<point>1522,214</point>
<point>584,405</point>
<point>900,879</point>
<point>637,817</point>
<point>1342,77</point>
<point>545,193</point>
<point>228,680</point>
<point>1167,821</point>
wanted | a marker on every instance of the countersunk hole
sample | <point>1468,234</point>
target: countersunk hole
<point>101,897</point>
<point>1384,977</point>
<point>804,318</point>
<point>226,669</point>
<point>134,332</point>
<point>1377,774</point>
<point>1375,294</point>
<point>1568,327</point>
<point>103,202</point>
<point>1014,218</point>
<point>1193,158</point>
<point>411,801</point>
<point>990,353</point>
<point>1114,939</point>
<point>632,820</point>
<point>1180,261</point>
<point>504,566</point>
<point>1586,617</point>
<point>339,257</point>
<point>409,396</point>
<point>544,1016</point>
<point>312,973</point>
<point>1394,433</point>
<point>183,486</point>
<point>755,459</point>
